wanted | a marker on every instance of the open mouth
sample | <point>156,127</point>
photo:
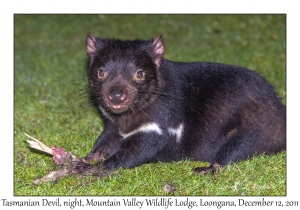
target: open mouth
<point>117,108</point>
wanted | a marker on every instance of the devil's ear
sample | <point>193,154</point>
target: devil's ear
<point>93,46</point>
<point>91,49</point>
<point>157,50</point>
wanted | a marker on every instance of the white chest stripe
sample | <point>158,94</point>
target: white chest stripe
<point>177,132</point>
<point>146,128</point>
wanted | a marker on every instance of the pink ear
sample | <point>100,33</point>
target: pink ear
<point>91,46</point>
<point>158,50</point>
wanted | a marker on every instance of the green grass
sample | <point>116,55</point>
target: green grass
<point>50,64</point>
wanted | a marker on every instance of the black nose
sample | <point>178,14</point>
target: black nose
<point>117,95</point>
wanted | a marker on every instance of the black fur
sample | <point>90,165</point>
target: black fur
<point>226,113</point>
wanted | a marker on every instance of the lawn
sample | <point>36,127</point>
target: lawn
<point>51,104</point>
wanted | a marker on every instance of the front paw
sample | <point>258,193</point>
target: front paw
<point>81,167</point>
<point>205,170</point>
<point>94,158</point>
<point>86,169</point>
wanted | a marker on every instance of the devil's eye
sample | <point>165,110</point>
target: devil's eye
<point>101,73</point>
<point>140,74</point>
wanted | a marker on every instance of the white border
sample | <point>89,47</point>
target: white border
<point>8,8</point>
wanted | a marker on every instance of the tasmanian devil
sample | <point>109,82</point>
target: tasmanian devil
<point>159,110</point>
